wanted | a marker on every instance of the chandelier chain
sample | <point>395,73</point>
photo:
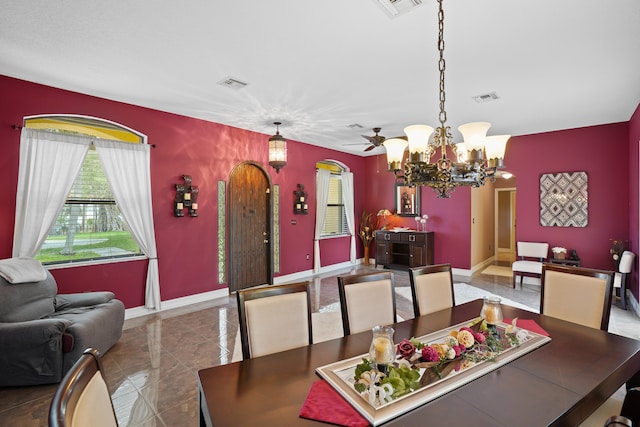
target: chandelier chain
<point>441,63</point>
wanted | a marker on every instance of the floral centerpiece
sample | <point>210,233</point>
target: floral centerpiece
<point>419,364</point>
<point>367,230</point>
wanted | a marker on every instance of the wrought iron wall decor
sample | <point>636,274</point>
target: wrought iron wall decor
<point>300,204</point>
<point>564,199</point>
<point>186,198</point>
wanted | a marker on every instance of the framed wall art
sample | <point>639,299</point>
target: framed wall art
<point>564,199</point>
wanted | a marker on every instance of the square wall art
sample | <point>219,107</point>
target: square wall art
<point>564,199</point>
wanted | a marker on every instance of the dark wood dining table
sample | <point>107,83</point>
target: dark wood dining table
<point>559,384</point>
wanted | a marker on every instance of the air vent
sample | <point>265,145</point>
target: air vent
<point>233,83</point>
<point>395,8</point>
<point>492,96</point>
<point>355,126</point>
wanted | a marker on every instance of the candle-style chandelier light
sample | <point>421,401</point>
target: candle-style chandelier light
<point>444,175</point>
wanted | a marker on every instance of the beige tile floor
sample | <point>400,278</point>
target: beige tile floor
<point>152,370</point>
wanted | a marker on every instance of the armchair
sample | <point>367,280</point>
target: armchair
<point>42,333</point>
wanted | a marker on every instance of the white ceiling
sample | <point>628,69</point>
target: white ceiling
<point>320,66</point>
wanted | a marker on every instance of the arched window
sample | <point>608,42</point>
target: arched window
<point>90,226</point>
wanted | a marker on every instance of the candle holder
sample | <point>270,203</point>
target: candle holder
<point>186,198</point>
<point>382,351</point>
<point>300,205</point>
<point>491,310</point>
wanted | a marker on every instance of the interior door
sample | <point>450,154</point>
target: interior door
<point>249,224</point>
<point>505,224</point>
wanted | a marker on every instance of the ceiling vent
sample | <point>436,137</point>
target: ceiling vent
<point>395,8</point>
<point>491,96</point>
<point>232,83</point>
<point>355,126</point>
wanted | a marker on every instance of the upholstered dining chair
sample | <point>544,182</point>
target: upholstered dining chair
<point>431,288</point>
<point>577,294</point>
<point>532,255</point>
<point>82,398</point>
<point>366,300</point>
<point>274,318</point>
<point>630,412</point>
<point>620,278</point>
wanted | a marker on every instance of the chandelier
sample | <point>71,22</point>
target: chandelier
<point>469,168</point>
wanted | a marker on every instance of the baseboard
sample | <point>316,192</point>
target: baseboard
<point>131,313</point>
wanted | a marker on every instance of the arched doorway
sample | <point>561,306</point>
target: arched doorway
<point>250,227</point>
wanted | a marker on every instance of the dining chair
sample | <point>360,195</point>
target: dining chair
<point>366,300</point>
<point>82,398</point>
<point>620,279</point>
<point>630,412</point>
<point>274,318</point>
<point>532,255</point>
<point>577,294</point>
<point>431,288</point>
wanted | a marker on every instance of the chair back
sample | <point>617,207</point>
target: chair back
<point>577,294</point>
<point>274,318</point>
<point>533,250</point>
<point>82,398</point>
<point>366,300</point>
<point>431,288</point>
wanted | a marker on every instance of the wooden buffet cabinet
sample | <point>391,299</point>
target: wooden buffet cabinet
<point>404,249</point>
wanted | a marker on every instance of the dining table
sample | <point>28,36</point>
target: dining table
<point>559,383</point>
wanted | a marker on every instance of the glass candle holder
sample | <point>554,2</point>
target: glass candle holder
<point>382,351</point>
<point>491,310</point>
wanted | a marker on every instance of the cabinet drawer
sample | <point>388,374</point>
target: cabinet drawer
<point>413,237</point>
<point>388,236</point>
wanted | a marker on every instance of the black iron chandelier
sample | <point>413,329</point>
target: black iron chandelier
<point>444,175</point>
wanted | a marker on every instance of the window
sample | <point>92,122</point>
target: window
<point>90,225</point>
<point>335,223</point>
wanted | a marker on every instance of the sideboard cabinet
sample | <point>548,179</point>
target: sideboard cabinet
<point>404,249</point>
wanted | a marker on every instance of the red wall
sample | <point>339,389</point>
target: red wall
<point>634,193</point>
<point>187,247</point>
<point>600,151</point>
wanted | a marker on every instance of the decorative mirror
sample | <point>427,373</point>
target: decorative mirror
<point>407,200</point>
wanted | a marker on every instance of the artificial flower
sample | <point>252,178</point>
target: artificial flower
<point>465,338</point>
<point>430,354</point>
<point>406,349</point>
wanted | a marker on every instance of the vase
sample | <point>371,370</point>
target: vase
<point>366,255</point>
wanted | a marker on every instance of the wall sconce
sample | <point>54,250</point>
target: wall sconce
<point>186,198</point>
<point>277,150</point>
<point>300,206</point>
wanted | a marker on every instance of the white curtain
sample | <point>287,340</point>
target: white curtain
<point>322,196</point>
<point>49,163</point>
<point>128,170</point>
<point>348,200</point>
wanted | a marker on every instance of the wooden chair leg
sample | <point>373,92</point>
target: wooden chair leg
<point>623,291</point>
<point>513,282</point>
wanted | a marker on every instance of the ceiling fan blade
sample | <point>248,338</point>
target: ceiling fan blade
<point>369,148</point>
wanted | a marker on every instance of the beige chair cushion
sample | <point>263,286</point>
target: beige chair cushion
<point>94,406</point>
<point>574,298</point>
<point>433,291</point>
<point>533,249</point>
<point>369,304</point>
<point>277,323</point>
<point>533,267</point>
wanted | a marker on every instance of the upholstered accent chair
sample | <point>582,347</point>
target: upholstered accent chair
<point>532,255</point>
<point>274,318</point>
<point>577,294</point>
<point>366,300</point>
<point>431,288</point>
<point>44,333</point>
<point>82,398</point>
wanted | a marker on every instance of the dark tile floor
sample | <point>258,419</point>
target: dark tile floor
<point>152,370</point>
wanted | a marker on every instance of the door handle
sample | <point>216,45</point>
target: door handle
<point>266,241</point>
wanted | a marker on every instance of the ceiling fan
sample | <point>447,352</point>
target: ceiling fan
<point>374,141</point>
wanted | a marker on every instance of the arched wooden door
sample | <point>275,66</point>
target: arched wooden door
<point>249,223</point>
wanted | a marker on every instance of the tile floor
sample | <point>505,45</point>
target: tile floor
<point>152,370</point>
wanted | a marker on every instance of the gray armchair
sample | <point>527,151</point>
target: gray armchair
<point>42,334</point>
